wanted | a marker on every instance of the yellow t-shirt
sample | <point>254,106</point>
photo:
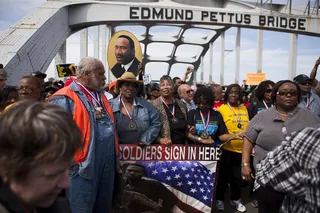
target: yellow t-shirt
<point>230,118</point>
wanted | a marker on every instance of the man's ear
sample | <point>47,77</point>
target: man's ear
<point>86,74</point>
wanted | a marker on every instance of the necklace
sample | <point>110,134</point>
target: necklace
<point>282,114</point>
<point>239,125</point>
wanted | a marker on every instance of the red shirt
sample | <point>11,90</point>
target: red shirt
<point>217,104</point>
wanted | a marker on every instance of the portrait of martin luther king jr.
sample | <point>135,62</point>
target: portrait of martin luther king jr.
<point>125,56</point>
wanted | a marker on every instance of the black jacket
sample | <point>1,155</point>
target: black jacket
<point>117,69</point>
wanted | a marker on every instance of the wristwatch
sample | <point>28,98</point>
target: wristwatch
<point>245,164</point>
<point>199,139</point>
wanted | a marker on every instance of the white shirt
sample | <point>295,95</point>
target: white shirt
<point>108,95</point>
<point>127,66</point>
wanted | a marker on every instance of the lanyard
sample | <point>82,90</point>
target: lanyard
<point>308,101</point>
<point>127,111</point>
<point>173,108</point>
<point>234,113</point>
<point>265,104</point>
<point>205,125</point>
<point>90,95</point>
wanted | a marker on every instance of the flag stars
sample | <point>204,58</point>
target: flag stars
<point>193,190</point>
<point>198,183</point>
<point>184,168</point>
<point>168,178</point>
<point>195,176</point>
<point>201,190</point>
<point>208,190</point>
<point>208,177</point>
<point>180,184</point>
<point>150,164</point>
<point>187,175</point>
<point>192,169</point>
<point>190,183</point>
<point>202,177</point>
<point>165,170</point>
<point>205,197</point>
<point>177,176</point>
<point>154,172</point>
<point>205,183</point>
<point>199,170</point>
<point>174,168</point>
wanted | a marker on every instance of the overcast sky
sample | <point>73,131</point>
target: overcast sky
<point>275,47</point>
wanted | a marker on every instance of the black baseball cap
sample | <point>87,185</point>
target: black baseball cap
<point>39,74</point>
<point>302,79</point>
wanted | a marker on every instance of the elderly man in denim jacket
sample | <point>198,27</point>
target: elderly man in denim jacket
<point>92,174</point>
<point>136,119</point>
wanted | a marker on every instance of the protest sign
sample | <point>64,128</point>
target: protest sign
<point>180,178</point>
<point>65,70</point>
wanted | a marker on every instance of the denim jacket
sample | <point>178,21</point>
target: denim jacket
<point>145,116</point>
<point>86,168</point>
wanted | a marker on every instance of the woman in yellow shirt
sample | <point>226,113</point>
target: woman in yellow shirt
<point>236,119</point>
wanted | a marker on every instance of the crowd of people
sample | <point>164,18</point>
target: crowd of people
<point>61,139</point>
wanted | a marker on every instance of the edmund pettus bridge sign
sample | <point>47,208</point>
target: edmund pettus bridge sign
<point>32,43</point>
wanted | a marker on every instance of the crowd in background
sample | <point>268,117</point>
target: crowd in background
<point>247,122</point>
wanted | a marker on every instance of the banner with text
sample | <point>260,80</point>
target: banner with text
<point>180,178</point>
<point>65,70</point>
<point>255,78</point>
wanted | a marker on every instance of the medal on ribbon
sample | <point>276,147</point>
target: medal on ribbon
<point>132,124</point>
<point>239,125</point>
<point>174,119</point>
<point>95,101</point>
<point>204,134</point>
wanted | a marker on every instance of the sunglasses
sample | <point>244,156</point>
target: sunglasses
<point>190,90</point>
<point>284,93</point>
<point>306,83</point>
<point>268,90</point>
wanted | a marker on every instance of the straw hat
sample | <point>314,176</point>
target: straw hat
<point>127,77</point>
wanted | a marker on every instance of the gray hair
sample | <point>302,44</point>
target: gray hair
<point>3,73</point>
<point>44,133</point>
<point>86,64</point>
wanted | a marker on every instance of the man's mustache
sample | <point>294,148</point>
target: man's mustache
<point>119,56</point>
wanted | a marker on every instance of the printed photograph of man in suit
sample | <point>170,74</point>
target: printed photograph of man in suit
<point>124,51</point>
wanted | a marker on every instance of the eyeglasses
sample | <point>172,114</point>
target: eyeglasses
<point>190,90</point>
<point>284,93</point>
<point>28,89</point>
<point>306,83</point>
<point>268,90</point>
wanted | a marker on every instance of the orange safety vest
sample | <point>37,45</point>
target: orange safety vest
<point>82,119</point>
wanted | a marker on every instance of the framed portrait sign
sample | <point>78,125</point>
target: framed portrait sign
<point>124,53</point>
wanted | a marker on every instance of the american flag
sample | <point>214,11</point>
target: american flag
<point>190,181</point>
